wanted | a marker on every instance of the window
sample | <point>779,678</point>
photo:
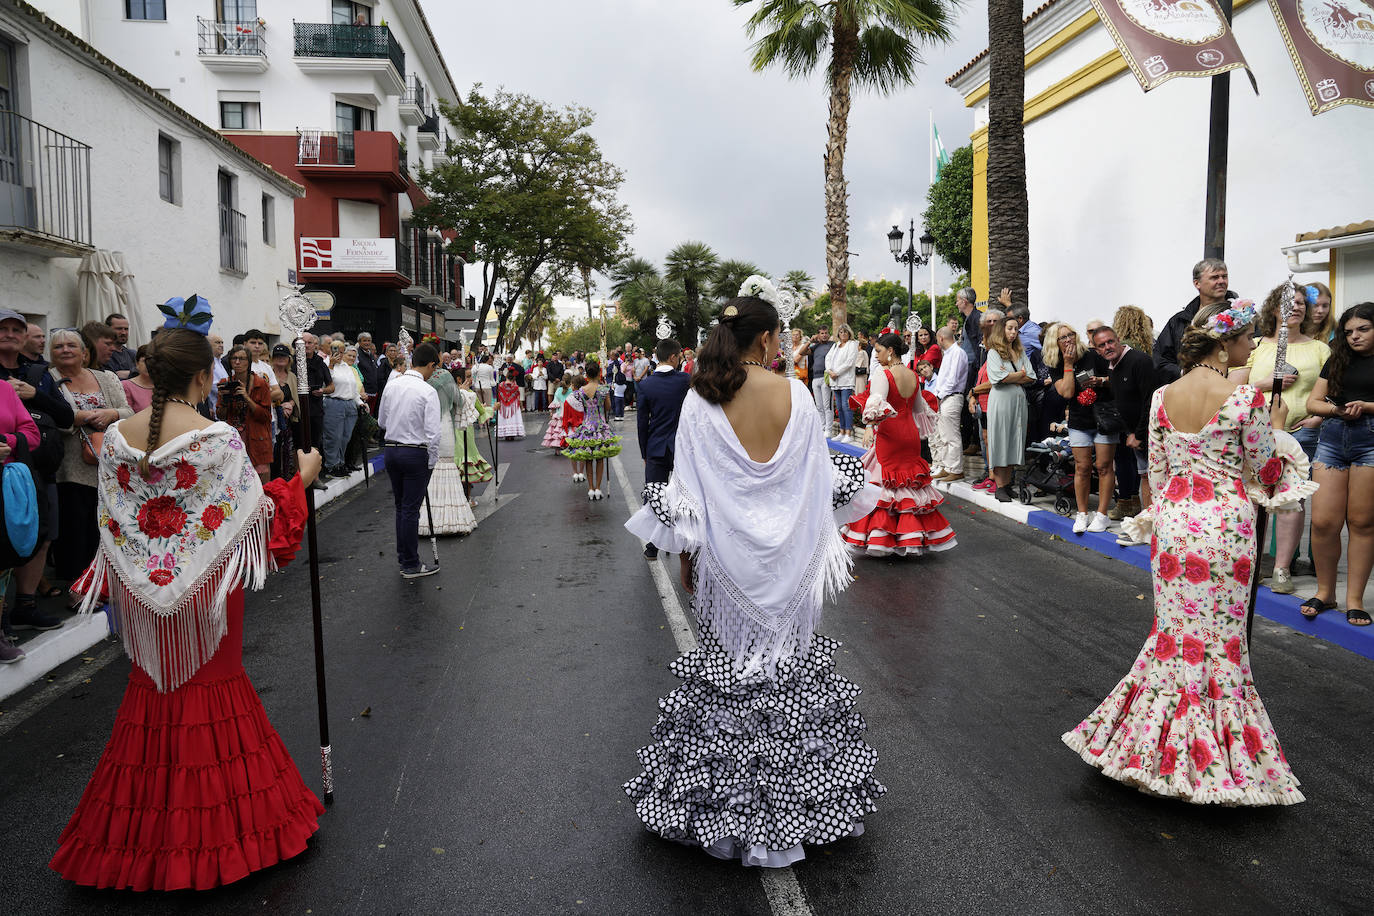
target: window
<point>168,169</point>
<point>348,118</point>
<point>145,9</point>
<point>240,116</point>
<point>269,222</point>
<point>236,10</point>
<point>233,229</point>
<point>345,12</point>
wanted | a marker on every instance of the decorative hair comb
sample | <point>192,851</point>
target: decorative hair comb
<point>191,313</point>
<point>1238,316</point>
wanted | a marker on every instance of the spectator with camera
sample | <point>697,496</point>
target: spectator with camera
<point>245,403</point>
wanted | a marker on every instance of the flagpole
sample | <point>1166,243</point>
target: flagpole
<point>1218,148</point>
<point>930,115</point>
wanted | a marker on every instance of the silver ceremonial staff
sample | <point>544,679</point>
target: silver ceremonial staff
<point>298,316</point>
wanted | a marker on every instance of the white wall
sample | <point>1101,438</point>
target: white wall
<point>172,249</point>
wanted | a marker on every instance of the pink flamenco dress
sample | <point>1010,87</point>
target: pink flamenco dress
<point>907,520</point>
<point>194,789</point>
<point>1186,721</point>
<point>555,436</point>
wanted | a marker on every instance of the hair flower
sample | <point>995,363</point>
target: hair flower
<point>761,288</point>
<point>1241,315</point>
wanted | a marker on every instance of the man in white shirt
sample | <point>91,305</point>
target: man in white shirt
<point>409,412</point>
<point>946,446</point>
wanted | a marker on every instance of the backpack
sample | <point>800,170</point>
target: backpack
<point>47,457</point>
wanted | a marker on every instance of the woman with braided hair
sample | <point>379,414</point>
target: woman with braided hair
<point>194,788</point>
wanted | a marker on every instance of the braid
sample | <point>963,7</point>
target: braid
<point>154,426</point>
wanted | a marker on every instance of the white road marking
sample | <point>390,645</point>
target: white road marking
<point>15,717</point>
<point>785,897</point>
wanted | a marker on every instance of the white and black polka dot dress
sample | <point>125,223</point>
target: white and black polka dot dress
<point>757,766</point>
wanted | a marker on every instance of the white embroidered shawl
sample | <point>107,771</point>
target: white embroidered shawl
<point>175,544</point>
<point>768,550</point>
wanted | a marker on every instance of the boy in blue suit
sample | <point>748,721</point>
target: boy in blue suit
<point>660,395</point>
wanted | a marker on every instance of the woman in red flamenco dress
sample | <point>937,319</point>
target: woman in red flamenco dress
<point>194,788</point>
<point>907,520</point>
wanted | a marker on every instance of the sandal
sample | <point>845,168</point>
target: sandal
<point>1357,617</point>
<point>1315,606</point>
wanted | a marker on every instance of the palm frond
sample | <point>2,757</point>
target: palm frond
<point>885,59</point>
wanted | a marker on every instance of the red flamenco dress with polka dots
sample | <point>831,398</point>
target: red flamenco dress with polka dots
<point>194,789</point>
<point>907,520</point>
<point>1186,721</point>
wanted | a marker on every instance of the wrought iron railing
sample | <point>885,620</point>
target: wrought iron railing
<point>45,180</point>
<point>421,275</point>
<point>430,124</point>
<point>415,92</point>
<point>403,163</point>
<point>403,264</point>
<point>325,147</point>
<point>234,37</point>
<point>233,240</point>
<point>324,39</point>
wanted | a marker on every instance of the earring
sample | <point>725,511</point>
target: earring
<point>1223,357</point>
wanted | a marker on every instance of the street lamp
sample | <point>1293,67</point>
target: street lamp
<point>912,258</point>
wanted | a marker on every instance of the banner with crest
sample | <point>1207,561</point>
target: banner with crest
<point>1331,43</point>
<point>1162,39</point>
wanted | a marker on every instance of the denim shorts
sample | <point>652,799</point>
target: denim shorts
<point>1087,438</point>
<point>1343,444</point>
<point>1307,438</point>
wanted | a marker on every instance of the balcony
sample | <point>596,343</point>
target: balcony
<point>232,46</point>
<point>45,189</point>
<point>366,155</point>
<point>413,100</point>
<point>233,241</point>
<point>441,156</point>
<point>428,134</point>
<point>332,50</point>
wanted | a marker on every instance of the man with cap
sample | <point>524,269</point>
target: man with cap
<point>409,412</point>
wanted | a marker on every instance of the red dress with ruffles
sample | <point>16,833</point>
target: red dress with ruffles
<point>907,519</point>
<point>195,789</point>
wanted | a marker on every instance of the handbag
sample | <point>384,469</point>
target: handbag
<point>1107,417</point>
<point>90,445</point>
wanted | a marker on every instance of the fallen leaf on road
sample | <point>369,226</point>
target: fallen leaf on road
<point>1254,861</point>
<point>1139,597</point>
<point>1167,836</point>
<point>367,711</point>
<point>437,850</point>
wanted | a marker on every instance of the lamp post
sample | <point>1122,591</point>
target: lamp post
<point>912,258</point>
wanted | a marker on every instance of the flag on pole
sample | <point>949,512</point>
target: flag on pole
<point>941,157</point>
<point>1332,47</point>
<point>1162,39</point>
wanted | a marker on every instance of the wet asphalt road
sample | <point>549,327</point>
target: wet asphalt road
<point>505,699</point>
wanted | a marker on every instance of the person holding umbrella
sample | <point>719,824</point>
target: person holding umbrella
<point>409,412</point>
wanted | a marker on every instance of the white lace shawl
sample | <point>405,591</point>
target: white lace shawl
<point>768,551</point>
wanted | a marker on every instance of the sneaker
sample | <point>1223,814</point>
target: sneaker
<point>1281,583</point>
<point>987,484</point>
<point>420,571</point>
<point>1303,568</point>
<point>650,552</point>
<point>1100,522</point>
<point>1003,495</point>
<point>9,652</point>
<point>1080,523</point>
<point>29,617</point>
<point>951,477</point>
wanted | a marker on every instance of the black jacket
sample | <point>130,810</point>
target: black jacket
<point>367,366</point>
<point>1134,381</point>
<point>1166,344</point>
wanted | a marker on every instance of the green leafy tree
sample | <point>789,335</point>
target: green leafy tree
<point>692,264</point>
<point>870,306</point>
<point>581,334</point>
<point>526,189</point>
<point>872,43</point>
<point>949,213</point>
<point>730,276</point>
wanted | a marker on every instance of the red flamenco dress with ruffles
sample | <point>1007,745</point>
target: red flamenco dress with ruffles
<point>194,789</point>
<point>907,520</point>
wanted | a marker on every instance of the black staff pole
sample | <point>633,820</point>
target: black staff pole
<point>1275,397</point>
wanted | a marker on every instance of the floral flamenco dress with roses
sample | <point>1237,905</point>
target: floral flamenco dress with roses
<point>1187,722</point>
<point>194,788</point>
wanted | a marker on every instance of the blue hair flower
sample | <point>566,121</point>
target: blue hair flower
<point>191,313</point>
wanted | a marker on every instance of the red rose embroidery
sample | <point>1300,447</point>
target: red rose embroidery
<point>1213,688</point>
<point>161,517</point>
<point>1178,488</point>
<point>1192,650</point>
<point>1233,650</point>
<point>1196,569</point>
<point>1134,762</point>
<point>123,475</point>
<point>1201,754</point>
<point>1272,470</point>
<point>186,475</point>
<point>1182,709</point>
<point>1169,567</point>
<point>1168,760</point>
<point>114,528</point>
<point>161,576</point>
<point>1154,546</point>
<point>1252,741</point>
<point>1241,571</point>
<point>1258,400</point>
<point>212,517</point>
<point>1202,490</point>
<point>1165,647</point>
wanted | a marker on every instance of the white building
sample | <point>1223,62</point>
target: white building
<point>1116,177</point>
<point>93,158</point>
<point>338,95</point>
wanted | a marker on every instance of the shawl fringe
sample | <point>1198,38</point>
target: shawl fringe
<point>172,643</point>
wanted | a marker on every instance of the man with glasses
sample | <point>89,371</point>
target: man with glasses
<point>1134,381</point>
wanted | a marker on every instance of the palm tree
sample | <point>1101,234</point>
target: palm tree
<point>874,43</point>
<point>798,283</point>
<point>730,276</point>
<point>1008,229</point>
<point>630,272</point>
<point>692,264</point>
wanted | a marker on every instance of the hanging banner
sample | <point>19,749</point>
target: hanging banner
<point>1162,39</point>
<point>1331,43</point>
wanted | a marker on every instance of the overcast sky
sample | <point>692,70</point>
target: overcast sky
<point>712,150</point>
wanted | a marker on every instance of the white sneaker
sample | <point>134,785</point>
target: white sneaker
<point>1100,522</point>
<point>1080,523</point>
<point>591,496</point>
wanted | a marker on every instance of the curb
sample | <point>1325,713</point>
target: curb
<point>1280,609</point>
<point>48,650</point>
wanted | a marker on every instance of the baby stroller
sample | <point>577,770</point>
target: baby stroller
<point>1049,470</point>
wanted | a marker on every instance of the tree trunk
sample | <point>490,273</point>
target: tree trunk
<point>587,286</point>
<point>844,44</point>
<point>691,323</point>
<point>1008,208</point>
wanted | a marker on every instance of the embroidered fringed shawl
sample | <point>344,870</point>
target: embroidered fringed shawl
<point>768,549</point>
<point>175,544</point>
